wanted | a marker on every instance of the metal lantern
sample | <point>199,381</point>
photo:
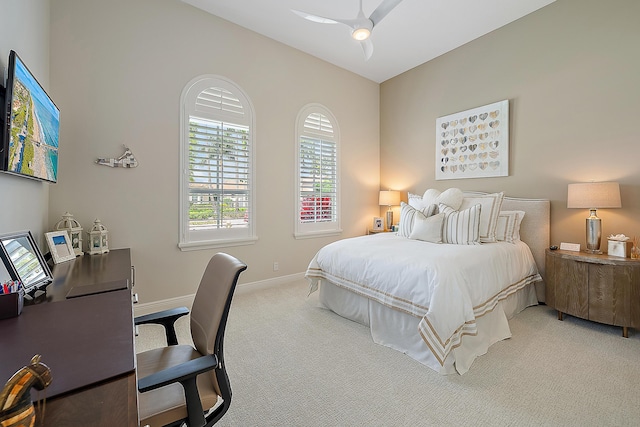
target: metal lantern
<point>73,228</point>
<point>98,239</point>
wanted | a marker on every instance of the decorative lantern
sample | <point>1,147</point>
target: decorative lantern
<point>98,238</point>
<point>73,228</point>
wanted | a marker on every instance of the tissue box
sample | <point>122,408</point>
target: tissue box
<point>11,304</point>
<point>618,248</point>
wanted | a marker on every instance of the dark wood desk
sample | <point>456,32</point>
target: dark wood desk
<point>88,343</point>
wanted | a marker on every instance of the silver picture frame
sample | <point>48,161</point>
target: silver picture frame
<point>24,261</point>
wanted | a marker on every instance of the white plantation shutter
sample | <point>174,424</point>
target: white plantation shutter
<point>317,198</point>
<point>217,206</point>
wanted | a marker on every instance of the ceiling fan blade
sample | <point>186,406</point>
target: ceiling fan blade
<point>383,10</point>
<point>315,18</point>
<point>367,47</point>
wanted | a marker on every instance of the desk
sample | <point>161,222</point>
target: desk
<point>87,342</point>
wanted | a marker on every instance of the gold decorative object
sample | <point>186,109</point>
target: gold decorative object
<point>16,406</point>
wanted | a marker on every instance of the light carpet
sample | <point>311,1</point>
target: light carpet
<point>293,363</point>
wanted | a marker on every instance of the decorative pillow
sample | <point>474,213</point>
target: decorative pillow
<point>407,215</point>
<point>428,229</point>
<point>451,197</point>
<point>491,204</point>
<point>415,201</point>
<point>508,226</point>
<point>461,227</point>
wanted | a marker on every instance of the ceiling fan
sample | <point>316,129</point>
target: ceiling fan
<point>361,26</point>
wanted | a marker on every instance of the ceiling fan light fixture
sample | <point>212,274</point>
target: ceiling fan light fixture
<point>361,34</point>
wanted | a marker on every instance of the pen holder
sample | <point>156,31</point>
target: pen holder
<point>11,304</point>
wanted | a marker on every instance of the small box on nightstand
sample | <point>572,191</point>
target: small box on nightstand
<point>618,248</point>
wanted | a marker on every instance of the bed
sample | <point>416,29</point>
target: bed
<point>442,304</point>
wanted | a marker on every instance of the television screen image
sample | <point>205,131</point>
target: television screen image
<point>32,129</point>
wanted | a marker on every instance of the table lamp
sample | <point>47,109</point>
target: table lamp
<point>389,198</point>
<point>594,195</point>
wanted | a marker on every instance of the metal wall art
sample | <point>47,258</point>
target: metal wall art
<point>473,143</point>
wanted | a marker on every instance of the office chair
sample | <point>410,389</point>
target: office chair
<point>176,382</point>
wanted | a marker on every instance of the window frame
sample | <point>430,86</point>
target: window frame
<point>316,229</point>
<point>221,237</point>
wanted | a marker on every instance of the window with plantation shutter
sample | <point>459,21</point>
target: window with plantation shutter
<point>216,189</point>
<point>318,193</point>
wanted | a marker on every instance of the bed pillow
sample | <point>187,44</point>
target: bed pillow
<point>491,204</point>
<point>415,201</point>
<point>508,226</point>
<point>407,215</point>
<point>461,227</point>
<point>451,197</point>
<point>428,229</point>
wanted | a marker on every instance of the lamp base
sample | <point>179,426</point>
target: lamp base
<point>389,219</point>
<point>594,233</point>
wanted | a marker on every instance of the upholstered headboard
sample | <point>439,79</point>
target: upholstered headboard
<point>534,229</point>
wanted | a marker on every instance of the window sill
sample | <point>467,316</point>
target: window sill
<point>214,244</point>
<point>313,235</point>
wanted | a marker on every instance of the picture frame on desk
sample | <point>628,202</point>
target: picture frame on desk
<point>24,261</point>
<point>60,246</point>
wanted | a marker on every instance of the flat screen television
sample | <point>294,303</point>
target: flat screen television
<point>31,126</point>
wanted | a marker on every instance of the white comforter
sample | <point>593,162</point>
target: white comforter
<point>447,286</point>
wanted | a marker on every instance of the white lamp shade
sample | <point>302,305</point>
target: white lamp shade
<point>594,195</point>
<point>389,198</point>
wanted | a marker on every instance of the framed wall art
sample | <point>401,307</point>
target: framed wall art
<point>473,143</point>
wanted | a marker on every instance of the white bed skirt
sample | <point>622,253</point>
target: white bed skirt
<point>399,330</point>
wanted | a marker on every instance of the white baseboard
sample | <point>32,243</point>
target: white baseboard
<point>187,300</point>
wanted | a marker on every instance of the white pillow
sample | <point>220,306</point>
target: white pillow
<point>428,229</point>
<point>451,197</point>
<point>491,204</point>
<point>508,226</point>
<point>415,201</point>
<point>407,215</point>
<point>461,227</point>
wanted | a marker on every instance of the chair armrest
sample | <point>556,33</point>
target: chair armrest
<point>166,318</point>
<point>178,373</point>
<point>185,374</point>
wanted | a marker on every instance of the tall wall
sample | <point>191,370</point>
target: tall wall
<point>572,74</point>
<point>24,27</point>
<point>117,71</point>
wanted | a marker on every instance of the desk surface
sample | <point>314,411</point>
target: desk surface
<point>86,340</point>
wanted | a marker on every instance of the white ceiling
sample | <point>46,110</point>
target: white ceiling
<point>413,33</point>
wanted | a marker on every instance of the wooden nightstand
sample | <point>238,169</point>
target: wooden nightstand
<point>601,288</point>
<point>370,231</point>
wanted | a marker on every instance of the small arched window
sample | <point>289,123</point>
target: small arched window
<point>318,178</point>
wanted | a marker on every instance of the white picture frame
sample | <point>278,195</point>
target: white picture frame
<point>60,246</point>
<point>473,143</point>
<point>378,223</point>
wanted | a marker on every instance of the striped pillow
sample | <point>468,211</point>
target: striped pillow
<point>407,215</point>
<point>491,204</point>
<point>461,227</point>
<point>508,226</point>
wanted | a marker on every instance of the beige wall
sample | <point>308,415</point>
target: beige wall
<point>117,71</point>
<point>25,201</point>
<point>572,74</point>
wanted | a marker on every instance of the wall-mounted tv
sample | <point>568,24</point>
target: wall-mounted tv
<point>31,126</point>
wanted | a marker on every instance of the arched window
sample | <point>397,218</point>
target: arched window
<point>318,177</point>
<point>216,179</point>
